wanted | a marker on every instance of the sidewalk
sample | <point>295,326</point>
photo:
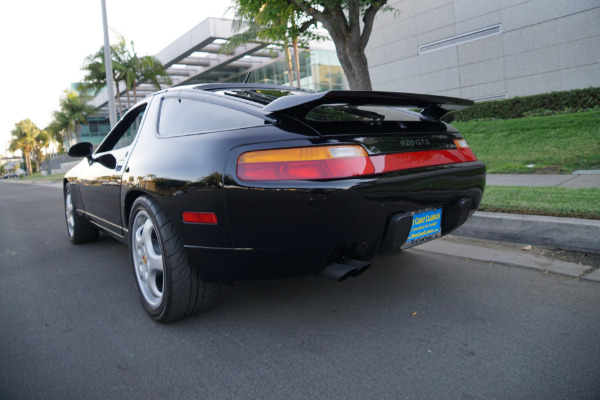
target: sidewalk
<point>585,179</point>
<point>572,234</point>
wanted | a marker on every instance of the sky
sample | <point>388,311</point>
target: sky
<point>43,45</point>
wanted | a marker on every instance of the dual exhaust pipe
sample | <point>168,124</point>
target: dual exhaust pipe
<point>344,268</point>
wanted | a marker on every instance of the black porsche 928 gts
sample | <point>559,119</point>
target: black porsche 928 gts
<point>228,182</point>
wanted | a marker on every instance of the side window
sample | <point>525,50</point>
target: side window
<point>179,116</point>
<point>130,133</point>
<point>124,132</point>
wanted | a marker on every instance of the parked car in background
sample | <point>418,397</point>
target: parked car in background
<point>227,182</point>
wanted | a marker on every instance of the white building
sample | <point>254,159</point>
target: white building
<point>486,49</point>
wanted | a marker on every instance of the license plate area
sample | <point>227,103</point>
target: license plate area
<point>426,226</point>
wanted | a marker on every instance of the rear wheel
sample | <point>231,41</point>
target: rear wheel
<point>80,231</point>
<point>168,286</point>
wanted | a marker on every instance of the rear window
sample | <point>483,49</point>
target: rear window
<point>180,116</point>
<point>261,96</point>
<point>350,113</point>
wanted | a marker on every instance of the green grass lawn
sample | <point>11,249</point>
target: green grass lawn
<point>552,144</point>
<point>37,176</point>
<point>554,201</point>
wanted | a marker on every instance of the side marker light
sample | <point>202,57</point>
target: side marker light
<point>207,218</point>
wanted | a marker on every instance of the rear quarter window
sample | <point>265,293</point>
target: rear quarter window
<point>180,116</point>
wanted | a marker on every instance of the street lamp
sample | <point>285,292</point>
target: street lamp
<point>108,64</point>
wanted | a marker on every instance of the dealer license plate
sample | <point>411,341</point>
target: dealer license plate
<point>427,225</point>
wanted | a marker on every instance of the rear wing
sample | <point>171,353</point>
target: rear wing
<point>433,107</point>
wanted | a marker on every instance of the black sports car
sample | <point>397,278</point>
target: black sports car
<point>227,182</point>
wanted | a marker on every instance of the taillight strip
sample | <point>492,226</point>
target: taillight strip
<point>339,161</point>
<point>399,161</point>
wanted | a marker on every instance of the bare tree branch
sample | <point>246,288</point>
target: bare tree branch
<point>368,20</point>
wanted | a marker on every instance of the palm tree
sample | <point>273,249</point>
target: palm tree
<point>75,109</point>
<point>152,71</point>
<point>61,127</point>
<point>42,140</point>
<point>128,67</point>
<point>23,138</point>
<point>95,80</point>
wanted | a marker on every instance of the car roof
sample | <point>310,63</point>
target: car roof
<point>245,86</point>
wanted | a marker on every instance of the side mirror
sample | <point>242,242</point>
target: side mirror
<point>83,149</point>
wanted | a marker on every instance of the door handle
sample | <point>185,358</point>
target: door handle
<point>120,164</point>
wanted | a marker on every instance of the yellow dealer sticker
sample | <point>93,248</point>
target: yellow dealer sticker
<point>426,225</point>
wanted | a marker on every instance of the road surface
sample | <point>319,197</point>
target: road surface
<point>417,325</point>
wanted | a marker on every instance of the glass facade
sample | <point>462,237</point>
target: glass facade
<point>319,70</point>
<point>95,130</point>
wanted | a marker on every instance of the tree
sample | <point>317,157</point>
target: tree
<point>349,23</point>
<point>128,67</point>
<point>273,21</point>
<point>350,34</point>
<point>57,129</point>
<point>42,140</point>
<point>95,79</point>
<point>60,127</point>
<point>137,69</point>
<point>74,111</point>
<point>24,139</point>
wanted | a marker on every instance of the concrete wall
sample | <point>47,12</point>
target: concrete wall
<point>544,45</point>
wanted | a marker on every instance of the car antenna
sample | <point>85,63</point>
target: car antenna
<point>247,76</point>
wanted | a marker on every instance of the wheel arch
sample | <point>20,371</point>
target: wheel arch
<point>130,198</point>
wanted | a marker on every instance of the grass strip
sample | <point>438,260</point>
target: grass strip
<point>37,176</point>
<point>550,144</point>
<point>553,201</point>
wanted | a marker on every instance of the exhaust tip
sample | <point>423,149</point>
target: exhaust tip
<point>343,269</point>
<point>337,272</point>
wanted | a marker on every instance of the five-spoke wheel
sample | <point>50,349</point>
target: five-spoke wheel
<point>169,287</point>
<point>147,259</point>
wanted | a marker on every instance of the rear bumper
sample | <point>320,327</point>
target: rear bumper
<point>286,232</point>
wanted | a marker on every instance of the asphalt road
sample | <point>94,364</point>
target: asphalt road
<point>417,325</point>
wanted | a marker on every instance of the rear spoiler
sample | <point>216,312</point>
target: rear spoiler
<point>433,107</point>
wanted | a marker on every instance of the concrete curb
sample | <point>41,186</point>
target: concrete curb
<point>511,258</point>
<point>572,234</point>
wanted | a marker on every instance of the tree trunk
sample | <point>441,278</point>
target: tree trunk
<point>355,64</point>
<point>296,59</point>
<point>78,131</point>
<point>134,92</point>
<point>288,60</point>
<point>27,162</point>
<point>344,23</point>
<point>128,99</point>
<point>120,110</point>
<point>69,137</point>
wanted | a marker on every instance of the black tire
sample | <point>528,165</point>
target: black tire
<point>170,289</point>
<point>79,230</point>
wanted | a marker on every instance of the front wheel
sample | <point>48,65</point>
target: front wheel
<point>169,287</point>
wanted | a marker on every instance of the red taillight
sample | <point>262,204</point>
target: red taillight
<point>200,218</point>
<point>399,161</point>
<point>305,163</point>
<point>331,162</point>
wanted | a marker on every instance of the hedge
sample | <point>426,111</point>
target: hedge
<point>540,104</point>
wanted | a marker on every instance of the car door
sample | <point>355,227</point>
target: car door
<point>100,184</point>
